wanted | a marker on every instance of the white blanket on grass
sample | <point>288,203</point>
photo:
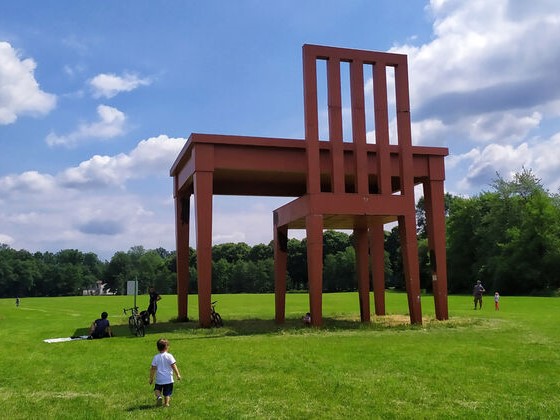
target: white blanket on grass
<point>62,339</point>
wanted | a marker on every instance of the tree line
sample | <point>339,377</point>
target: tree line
<point>236,268</point>
<point>508,237</point>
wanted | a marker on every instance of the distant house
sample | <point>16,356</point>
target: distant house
<point>98,289</point>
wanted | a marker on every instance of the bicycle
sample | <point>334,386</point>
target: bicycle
<point>215,318</point>
<point>135,322</point>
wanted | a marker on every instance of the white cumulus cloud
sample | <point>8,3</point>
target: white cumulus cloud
<point>484,85</point>
<point>108,85</point>
<point>503,127</point>
<point>486,58</point>
<point>152,156</point>
<point>111,124</point>
<point>6,239</point>
<point>91,202</point>
<point>27,182</point>
<point>19,91</point>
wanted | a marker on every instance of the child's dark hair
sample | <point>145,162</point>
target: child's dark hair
<point>162,344</point>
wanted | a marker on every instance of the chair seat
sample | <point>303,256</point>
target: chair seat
<point>342,211</point>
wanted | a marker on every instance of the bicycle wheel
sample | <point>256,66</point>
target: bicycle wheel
<point>131,325</point>
<point>217,320</point>
<point>140,330</point>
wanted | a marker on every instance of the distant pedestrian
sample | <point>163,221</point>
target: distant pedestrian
<point>152,307</point>
<point>163,367</point>
<point>497,301</point>
<point>478,290</point>
<point>17,301</point>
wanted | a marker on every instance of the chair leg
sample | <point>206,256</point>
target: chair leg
<point>377,246</point>
<point>409,248</point>
<point>362,264</point>
<point>314,227</point>
<point>280,267</point>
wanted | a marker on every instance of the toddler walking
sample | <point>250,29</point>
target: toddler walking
<point>497,301</point>
<point>163,368</point>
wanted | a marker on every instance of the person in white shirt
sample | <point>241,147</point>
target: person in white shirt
<point>162,370</point>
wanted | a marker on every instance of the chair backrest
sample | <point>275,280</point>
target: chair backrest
<point>358,60</point>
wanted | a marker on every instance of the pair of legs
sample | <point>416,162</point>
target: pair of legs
<point>104,335</point>
<point>163,394</point>
<point>152,311</point>
<point>479,300</point>
<point>93,333</point>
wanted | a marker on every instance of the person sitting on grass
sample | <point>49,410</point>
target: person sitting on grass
<point>100,327</point>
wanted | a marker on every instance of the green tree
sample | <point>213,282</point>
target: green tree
<point>465,217</point>
<point>339,272</point>
<point>119,271</point>
<point>25,272</point>
<point>18,272</point>
<point>297,264</point>
<point>421,222</point>
<point>222,276</point>
<point>394,266</point>
<point>508,238</point>
<point>150,267</point>
<point>264,279</point>
<point>335,241</point>
<point>231,252</point>
<point>261,252</point>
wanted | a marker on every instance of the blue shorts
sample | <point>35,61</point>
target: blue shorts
<point>166,389</point>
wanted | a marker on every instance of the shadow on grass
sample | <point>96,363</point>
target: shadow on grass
<point>117,330</point>
<point>294,326</point>
<point>255,326</point>
<point>143,407</point>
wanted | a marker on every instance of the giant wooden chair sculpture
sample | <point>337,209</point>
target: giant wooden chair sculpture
<point>340,185</point>
<point>352,186</point>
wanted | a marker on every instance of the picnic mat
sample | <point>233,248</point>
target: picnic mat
<point>62,339</point>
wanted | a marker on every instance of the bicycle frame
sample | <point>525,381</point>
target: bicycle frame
<point>135,322</point>
<point>215,318</point>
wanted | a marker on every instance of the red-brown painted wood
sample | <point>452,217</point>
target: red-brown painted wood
<point>338,184</point>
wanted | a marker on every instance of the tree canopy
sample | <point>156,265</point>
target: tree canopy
<point>509,238</point>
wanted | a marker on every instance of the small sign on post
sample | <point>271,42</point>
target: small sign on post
<point>132,289</point>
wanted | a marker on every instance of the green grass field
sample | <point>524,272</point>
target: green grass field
<point>483,364</point>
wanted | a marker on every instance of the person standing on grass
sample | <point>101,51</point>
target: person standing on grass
<point>497,301</point>
<point>17,301</point>
<point>478,290</point>
<point>163,368</point>
<point>152,307</point>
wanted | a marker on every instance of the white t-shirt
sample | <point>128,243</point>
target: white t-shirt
<point>164,372</point>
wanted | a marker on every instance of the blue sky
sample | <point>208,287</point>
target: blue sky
<point>97,99</point>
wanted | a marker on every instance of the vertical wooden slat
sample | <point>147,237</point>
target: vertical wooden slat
<point>335,125</point>
<point>382,128</point>
<point>311,122</point>
<point>359,126</point>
